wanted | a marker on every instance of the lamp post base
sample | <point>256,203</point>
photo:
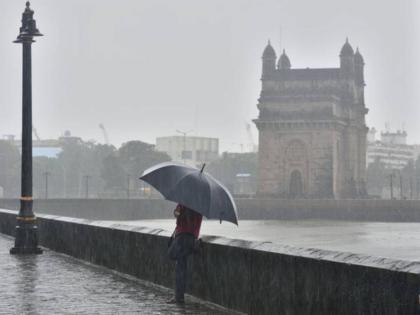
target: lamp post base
<point>26,239</point>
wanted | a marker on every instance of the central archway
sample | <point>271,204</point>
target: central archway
<point>295,185</point>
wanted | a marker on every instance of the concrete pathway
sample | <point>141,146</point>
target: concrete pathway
<point>53,283</point>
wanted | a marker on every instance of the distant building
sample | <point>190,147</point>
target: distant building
<point>392,149</point>
<point>243,184</point>
<point>191,150</point>
<point>68,138</point>
<point>49,152</point>
<point>50,148</point>
<point>396,138</point>
<point>371,135</point>
<point>312,130</point>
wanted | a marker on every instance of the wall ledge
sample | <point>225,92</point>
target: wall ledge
<point>348,258</point>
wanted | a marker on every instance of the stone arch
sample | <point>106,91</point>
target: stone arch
<point>296,184</point>
<point>296,163</point>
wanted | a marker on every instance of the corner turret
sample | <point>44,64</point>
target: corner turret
<point>284,62</point>
<point>347,60</point>
<point>268,60</point>
<point>359,65</point>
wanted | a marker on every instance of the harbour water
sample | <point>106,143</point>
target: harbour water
<point>390,240</point>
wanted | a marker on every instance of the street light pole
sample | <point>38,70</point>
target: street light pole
<point>26,240</point>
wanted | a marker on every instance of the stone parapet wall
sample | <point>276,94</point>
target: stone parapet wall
<point>249,209</point>
<point>251,277</point>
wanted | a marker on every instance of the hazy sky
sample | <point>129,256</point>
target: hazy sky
<point>147,68</point>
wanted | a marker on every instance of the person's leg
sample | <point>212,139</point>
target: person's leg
<point>183,248</point>
<point>180,278</point>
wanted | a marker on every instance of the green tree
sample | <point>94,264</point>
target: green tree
<point>9,169</point>
<point>137,156</point>
<point>77,161</point>
<point>94,165</point>
<point>229,165</point>
<point>80,159</point>
<point>44,167</point>
<point>113,174</point>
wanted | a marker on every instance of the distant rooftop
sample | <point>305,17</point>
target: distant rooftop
<point>49,152</point>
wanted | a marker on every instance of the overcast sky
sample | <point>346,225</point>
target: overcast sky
<point>147,68</point>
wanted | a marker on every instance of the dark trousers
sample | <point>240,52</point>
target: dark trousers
<point>182,246</point>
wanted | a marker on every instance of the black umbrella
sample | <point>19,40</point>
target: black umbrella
<point>192,188</point>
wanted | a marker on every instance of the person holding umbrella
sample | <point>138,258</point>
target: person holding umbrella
<point>188,223</point>
<point>197,194</point>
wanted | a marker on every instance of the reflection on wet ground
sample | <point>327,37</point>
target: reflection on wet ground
<point>52,283</point>
<point>391,240</point>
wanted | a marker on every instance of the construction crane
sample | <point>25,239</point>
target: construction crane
<point>105,133</point>
<point>251,142</point>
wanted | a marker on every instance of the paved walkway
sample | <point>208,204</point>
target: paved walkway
<point>52,283</point>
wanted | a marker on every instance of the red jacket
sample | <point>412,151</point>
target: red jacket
<point>188,221</point>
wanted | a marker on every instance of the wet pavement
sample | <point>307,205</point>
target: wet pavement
<point>390,240</point>
<point>53,283</point>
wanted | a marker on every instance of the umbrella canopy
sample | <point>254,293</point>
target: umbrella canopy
<point>192,188</point>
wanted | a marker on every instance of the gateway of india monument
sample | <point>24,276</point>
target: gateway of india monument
<point>312,130</point>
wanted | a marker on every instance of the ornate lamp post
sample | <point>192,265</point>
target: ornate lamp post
<point>26,241</point>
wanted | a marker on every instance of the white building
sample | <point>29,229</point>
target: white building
<point>392,149</point>
<point>191,150</point>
